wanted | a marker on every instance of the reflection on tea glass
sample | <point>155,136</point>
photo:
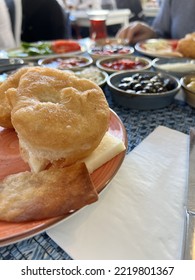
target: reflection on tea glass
<point>98,28</point>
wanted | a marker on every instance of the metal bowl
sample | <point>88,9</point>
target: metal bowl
<point>189,91</point>
<point>138,99</point>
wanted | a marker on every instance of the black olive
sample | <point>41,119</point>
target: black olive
<point>150,84</point>
<point>136,76</point>
<point>140,91</point>
<point>138,87</point>
<point>126,79</point>
<point>156,78</point>
<point>133,83</point>
<point>130,91</point>
<point>123,86</point>
<point>147,89</point>
<point>161,89</point>
<point>157,85</point>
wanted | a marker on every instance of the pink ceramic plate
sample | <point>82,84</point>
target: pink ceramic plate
<point>11,162</point>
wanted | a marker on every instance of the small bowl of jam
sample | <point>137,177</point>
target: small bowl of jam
<point>124,63</point>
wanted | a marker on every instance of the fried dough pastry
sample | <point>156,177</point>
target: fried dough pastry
<point>57,116</point>
<point>5,110</point>
<point>54,192</point>
<point>186,46</point>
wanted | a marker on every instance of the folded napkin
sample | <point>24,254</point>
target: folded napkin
<point>140,215</point>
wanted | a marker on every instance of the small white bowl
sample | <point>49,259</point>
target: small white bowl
<point>104,48</point>
<point>128,63</point>
<point>66,62</point>
<point>174,66</point>
<point>94,74</point>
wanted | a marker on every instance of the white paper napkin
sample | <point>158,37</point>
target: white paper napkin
<point>140,215</point>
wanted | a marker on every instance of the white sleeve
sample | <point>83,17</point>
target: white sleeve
<point>6,35</point>
<point>18,21</point>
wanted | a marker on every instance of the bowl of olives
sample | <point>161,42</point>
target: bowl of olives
<point>143,90</point>
<point>188,86</point>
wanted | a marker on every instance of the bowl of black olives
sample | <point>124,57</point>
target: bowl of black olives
<point>143,90</point>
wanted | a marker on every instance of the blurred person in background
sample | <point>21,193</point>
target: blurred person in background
<point>44,20</point>
<point>31,21</point>
<point>134,5</point>
<point>109,4</point>
<point>174,20</point>
<point>83,4</point>
<point>10,23</point>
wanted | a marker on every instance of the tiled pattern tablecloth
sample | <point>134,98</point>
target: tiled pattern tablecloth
<point>138,124</point>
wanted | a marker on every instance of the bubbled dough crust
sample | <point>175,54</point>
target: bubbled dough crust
<point>186,46</point>
<point>58,115</point>
<point>5,109</point>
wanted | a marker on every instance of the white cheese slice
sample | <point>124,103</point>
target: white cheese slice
<point>109,147</point>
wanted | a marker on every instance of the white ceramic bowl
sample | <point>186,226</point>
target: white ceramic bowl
<point>174,66</point>
<point>124,63</point>
<point>104,48</point>
<point>67,62</point>
<point>94,74</point>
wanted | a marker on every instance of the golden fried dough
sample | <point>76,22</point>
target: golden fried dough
<point>5,110</point>
<point>186,46</point>
<point>29,196</point>
<point>57,116</point>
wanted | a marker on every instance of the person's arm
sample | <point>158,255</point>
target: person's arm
<point>161,27</point>
<point>162,22</point>
<point>136,31</point>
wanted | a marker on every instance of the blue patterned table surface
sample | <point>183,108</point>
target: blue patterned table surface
<point>138,124</point>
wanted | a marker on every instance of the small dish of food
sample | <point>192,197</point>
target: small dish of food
<point>94,74</point>
<point>66,62</point>
<point>188,86</point>
<point>158,48</point>
<point>43,49</point>
<point>174,66</point>
<point>124,63</point>
<point>109,47</point>
<point>143,90</point>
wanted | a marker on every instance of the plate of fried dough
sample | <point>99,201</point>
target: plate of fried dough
<point>47,147</point>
